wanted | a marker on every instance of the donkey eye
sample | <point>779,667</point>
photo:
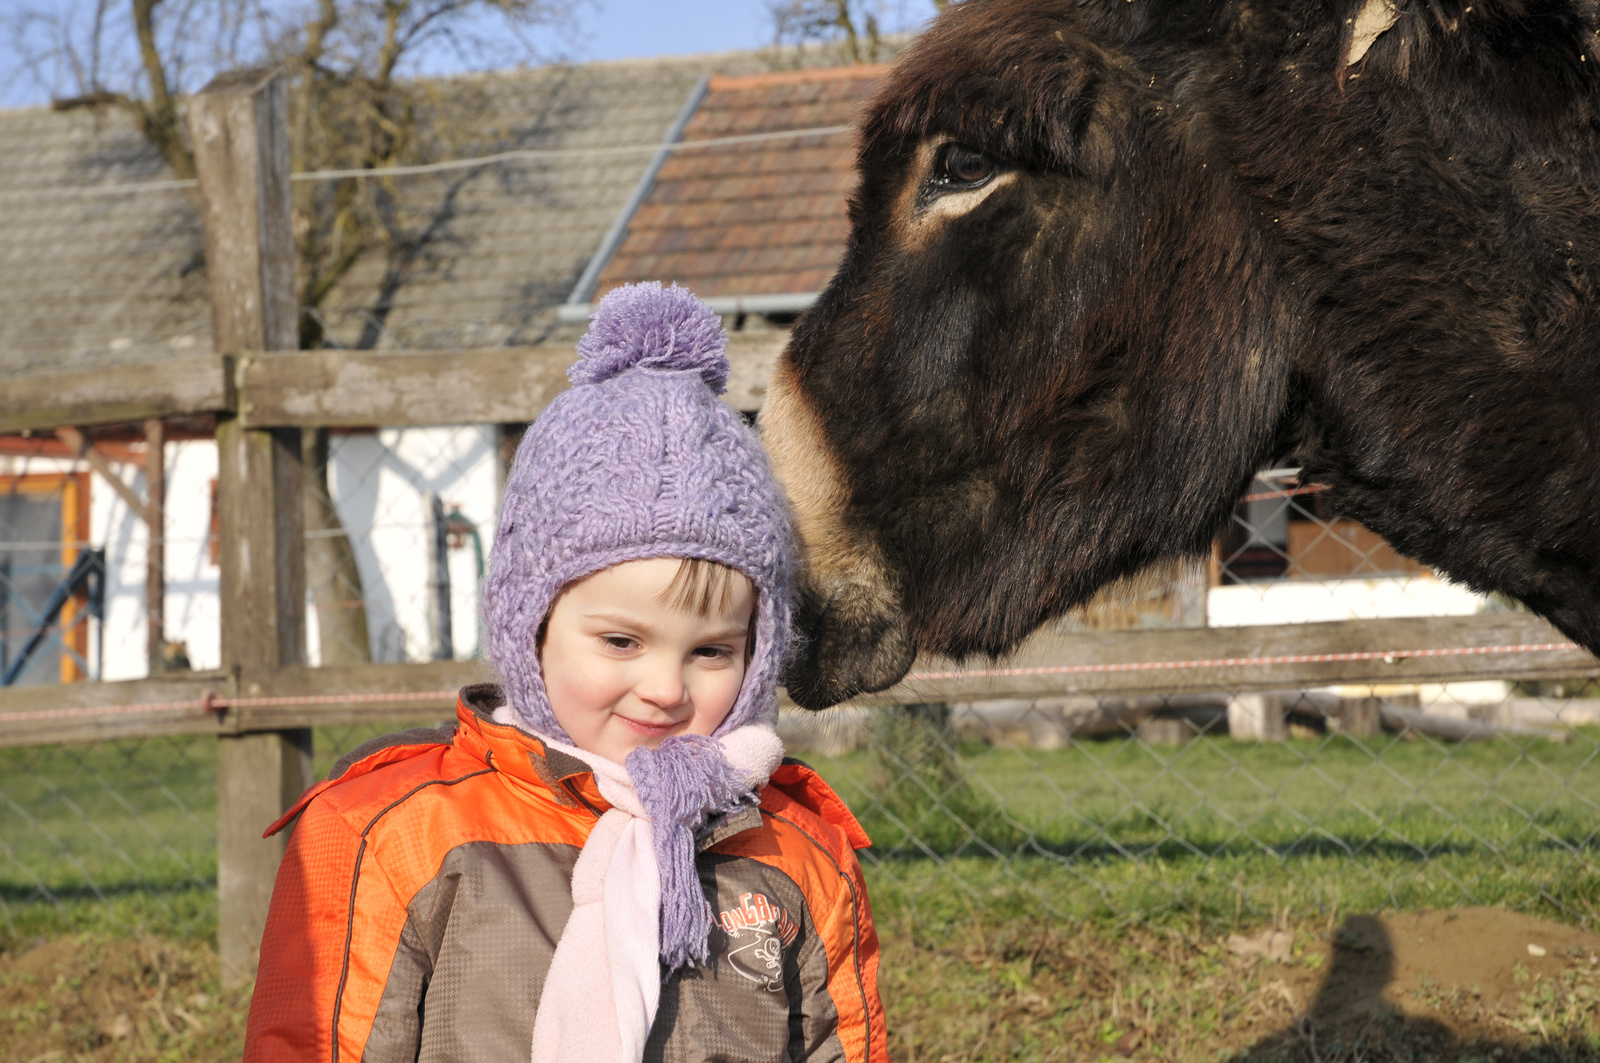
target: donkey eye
<point>963,166</point>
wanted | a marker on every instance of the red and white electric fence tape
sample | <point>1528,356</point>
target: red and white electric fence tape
<point>1284,492</point>
<point>1389,656</point>
<point>211,703</point>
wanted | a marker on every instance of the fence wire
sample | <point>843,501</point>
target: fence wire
<point>1145,808</point>
<point>1226,806</point>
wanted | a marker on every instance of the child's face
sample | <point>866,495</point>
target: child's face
<point>624,670</point>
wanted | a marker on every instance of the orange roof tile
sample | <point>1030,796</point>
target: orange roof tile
<point>762,218</point>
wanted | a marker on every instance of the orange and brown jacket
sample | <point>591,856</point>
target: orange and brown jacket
<point>428,880</point>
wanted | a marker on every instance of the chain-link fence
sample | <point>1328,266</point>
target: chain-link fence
<point>122,836</point>
<point>1238,804</point>
<point>1222,804</point>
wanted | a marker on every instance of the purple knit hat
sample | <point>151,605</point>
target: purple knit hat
<point>639,459</point>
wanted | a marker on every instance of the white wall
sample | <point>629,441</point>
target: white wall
<point>1311,601</point>
<point>191,602</point>
<point>379,483</point>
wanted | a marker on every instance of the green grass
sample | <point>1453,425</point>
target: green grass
<point>1223,830</point>
<point>120,837</point>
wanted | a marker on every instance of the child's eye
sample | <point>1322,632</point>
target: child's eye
<point>619,642</point>
<point>717,653</point>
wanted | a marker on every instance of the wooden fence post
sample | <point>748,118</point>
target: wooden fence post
<point>239,128</point>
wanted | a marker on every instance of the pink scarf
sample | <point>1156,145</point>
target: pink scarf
<point>607,962</point>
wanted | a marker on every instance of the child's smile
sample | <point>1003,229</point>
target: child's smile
<point>624,668</point>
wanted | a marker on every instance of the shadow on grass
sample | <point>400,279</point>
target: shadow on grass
<point>1351,1021</point>
<point>11,893</point>
<point>966,826</point>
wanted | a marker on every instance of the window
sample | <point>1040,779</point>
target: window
<point>44,524</point>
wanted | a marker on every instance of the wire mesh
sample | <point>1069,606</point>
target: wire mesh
<point>122,836</point>
<point>1146,808</point>
<point>1225,805</point>
<point>114,836</point>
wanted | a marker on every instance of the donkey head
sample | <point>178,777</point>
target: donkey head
<point>1109,255</point>
<point>977,421</point>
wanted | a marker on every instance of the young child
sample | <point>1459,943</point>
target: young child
<point>607,857</point>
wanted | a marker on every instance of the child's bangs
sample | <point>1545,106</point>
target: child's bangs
<point>703,588</point>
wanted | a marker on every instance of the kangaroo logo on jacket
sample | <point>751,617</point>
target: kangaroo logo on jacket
<point>758,930</point>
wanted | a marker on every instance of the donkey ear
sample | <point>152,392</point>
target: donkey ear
<point>1363,28</point>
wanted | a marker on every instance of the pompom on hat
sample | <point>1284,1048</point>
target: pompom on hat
<point>651,327</point>
<point>638,459</point>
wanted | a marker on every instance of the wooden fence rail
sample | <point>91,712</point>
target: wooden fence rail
<point>1511,646</point>
<point>336,388</point>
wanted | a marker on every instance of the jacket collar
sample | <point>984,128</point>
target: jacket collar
<point>517,753</point>
<point>513,751</point>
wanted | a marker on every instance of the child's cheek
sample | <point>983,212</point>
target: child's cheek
<point>720,700</point>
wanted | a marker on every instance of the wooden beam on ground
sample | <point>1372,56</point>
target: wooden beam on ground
<point>192,384</point>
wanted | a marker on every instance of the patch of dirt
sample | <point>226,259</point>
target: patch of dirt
<point>1413,963</point>
<point>1469,983</point>
<point>1454,987</point>
<point>82,999</point>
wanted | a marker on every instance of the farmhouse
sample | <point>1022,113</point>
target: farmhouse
<point>102,254</point>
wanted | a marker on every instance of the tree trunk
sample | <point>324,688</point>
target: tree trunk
<point>331,572</point>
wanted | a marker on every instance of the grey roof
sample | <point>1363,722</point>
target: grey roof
<point>97,280</point>
<point>90,280</point>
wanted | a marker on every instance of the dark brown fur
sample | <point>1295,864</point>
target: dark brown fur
<point>1222,247</point>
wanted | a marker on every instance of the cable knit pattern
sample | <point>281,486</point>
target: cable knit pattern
<point>639,459</point>
<point>656,328</point>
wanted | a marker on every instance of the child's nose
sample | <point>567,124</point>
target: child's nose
<point>662,685</point>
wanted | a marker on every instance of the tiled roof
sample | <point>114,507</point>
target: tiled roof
<point>91,281</point>
<point>503,245</point>
<point>758,218</point>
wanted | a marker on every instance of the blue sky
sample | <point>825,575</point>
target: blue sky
<point>629,28</point>
<point>606,29</point>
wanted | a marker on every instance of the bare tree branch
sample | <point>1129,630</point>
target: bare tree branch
<point>158,117</point>
<point>854,27</point>
<point>353,108</point>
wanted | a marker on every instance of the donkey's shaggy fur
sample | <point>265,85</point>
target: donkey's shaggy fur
<point>1110,256</point>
